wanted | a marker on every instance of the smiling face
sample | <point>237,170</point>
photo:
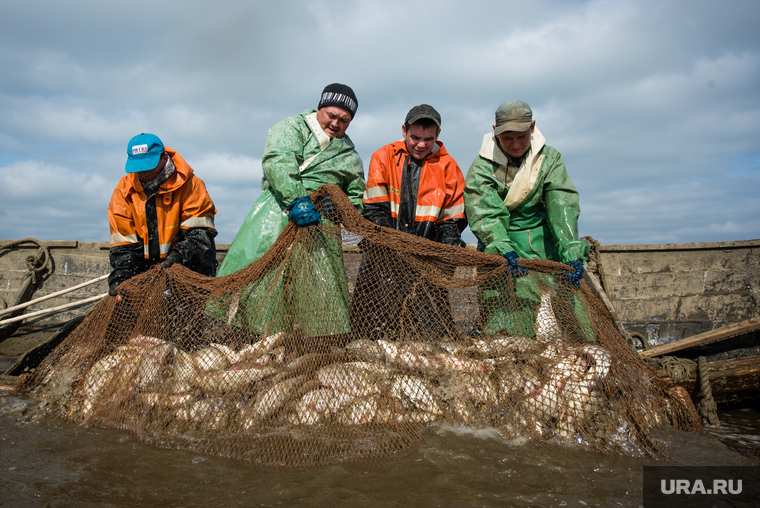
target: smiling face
<point>333,120</point>
<point>515,144</point>
<point>420,140</point>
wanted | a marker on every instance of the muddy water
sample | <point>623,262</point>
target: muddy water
<point>46,462</point>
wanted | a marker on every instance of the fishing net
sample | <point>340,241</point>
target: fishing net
<point>346,342</point>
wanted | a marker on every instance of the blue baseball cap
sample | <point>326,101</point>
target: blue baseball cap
<point>143,152</point>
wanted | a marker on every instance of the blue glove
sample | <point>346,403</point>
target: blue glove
<point>328,207</point>
<point>513,267</point>
<point>303,212</point>
<point>576,275</point>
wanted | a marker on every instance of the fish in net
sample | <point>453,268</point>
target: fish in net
<point>310,357</point>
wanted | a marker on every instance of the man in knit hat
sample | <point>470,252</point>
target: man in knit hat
<point>160,211</point>
<point>301,153</point>
<point>521,203</point>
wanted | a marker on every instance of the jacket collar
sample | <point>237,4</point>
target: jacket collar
<point>182,173</point>
<point>437,152</point>
<point>491,151</point>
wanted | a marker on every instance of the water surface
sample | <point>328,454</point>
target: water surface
<point>48,462</point>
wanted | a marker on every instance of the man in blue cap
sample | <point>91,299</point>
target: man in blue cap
<point>159,212</point>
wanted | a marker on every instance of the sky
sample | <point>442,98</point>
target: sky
<point>653,104</point>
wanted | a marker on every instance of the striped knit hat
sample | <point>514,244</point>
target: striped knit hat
<point>341,96</point>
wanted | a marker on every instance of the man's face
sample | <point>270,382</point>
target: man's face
<point>420,141</point>
<point>147,176</point>
<point>515,144</point>
<point>333,120</point>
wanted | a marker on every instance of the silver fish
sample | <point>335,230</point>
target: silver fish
<point>597,360</point>
<point>451,363</point>
<point>183,371</point>
<point>153,364</point>
<point>501,347</point>
<point>304,415</point>
<point>477,386</point>
<point>261,347</point>
<point>233,378</point>
<point>348,379</point>
<point>417,391</point>
<point>210,358</point>
<point>547,328</point>
<point>231,355</point>
<point>365,349</point>
<point>359,412</point>
<point>271,400</point>
<point>325,400</point>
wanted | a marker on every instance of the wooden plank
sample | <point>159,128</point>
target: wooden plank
<point>740,244</point>
<point>703,338</point>
<point>731,381</point>
<point>52,295</point>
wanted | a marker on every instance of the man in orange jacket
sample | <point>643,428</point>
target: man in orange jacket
<point>414,186</point>
<point>160,211</point>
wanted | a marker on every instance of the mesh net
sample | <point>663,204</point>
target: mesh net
<point>310,357</point>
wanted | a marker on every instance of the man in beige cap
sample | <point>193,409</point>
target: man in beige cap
<point>519,199</point>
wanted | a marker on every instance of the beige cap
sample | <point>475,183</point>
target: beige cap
<point>513,116</point>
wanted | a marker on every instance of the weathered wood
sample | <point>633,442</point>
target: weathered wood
<point>53,310</point>
<point>703,338</point>
<point>731,381</point>
<point>669,292</point>
<point>52,295</point>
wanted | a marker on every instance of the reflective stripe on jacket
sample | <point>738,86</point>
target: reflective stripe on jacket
<point>439,194</point>
<point>182,203</point>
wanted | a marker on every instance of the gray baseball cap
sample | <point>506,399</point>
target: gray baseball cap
<point>423,111</point>
<point>513,116</point>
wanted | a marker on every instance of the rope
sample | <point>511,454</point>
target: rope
<point>678,369</point>
<point>596,257</point>
<point>708,409</point>
<point>36,265</point>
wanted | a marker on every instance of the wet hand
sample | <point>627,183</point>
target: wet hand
<point>515,269</point>
<point>303,212</point>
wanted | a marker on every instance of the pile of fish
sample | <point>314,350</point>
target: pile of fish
<point>528,385</point>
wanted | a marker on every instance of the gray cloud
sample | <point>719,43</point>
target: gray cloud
<point>654,105</point>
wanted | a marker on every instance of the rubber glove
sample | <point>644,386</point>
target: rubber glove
<point>112,288</point>
<point>173,257</point>
<point>576,275</point>
<point>303,212</point>
<point>513,267</point>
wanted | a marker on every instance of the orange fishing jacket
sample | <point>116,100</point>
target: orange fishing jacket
<point>182,203</point>
<point>439,195</point>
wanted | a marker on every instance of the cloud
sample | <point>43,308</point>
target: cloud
<point>654,105</point>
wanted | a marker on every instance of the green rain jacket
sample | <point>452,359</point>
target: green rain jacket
<point>536,216</point>
<point>298,158</point>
